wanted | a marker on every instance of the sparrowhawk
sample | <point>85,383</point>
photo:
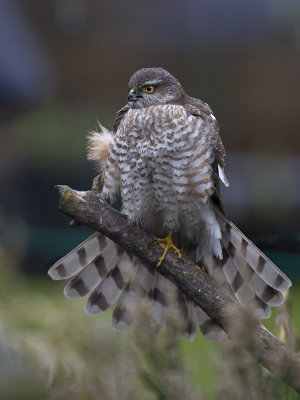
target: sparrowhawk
<point>166,160</point>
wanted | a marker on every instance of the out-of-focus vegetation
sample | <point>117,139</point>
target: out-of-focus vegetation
<point>52,350</point>
<point>64,65</point>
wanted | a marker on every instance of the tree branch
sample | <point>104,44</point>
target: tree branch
<point>88,208</point>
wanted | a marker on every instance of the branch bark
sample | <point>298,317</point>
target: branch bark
<point>88,208</point>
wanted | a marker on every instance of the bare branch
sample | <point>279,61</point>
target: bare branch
<point>88,208</point>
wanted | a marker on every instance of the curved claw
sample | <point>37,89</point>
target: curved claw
<point>169,244</point>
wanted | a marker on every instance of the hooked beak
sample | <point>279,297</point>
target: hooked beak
<point>132,96</point>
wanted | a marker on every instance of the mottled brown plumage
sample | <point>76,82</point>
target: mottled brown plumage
<point>165,157</point>
<point>173,93</point>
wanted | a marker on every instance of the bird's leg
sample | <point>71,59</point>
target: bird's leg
<point>169,244</point>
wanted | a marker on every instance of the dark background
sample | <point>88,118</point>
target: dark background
<point>65,64</point>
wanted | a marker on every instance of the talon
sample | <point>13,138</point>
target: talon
<point>169,244</point>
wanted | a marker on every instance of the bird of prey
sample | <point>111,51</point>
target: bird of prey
<point>165,159</point>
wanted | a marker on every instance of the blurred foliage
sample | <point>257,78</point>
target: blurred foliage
<point>55,132</point>
<point>49,349</point>
<point>53,350</point>
<point>41,148</point>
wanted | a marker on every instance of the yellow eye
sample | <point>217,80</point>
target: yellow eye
<point>149,89</point>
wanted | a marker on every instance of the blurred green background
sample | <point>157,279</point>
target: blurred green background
<point>65,65</point>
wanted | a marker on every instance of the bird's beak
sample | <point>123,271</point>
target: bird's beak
<point>132,96</point>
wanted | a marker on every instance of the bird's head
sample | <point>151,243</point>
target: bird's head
<point>152,86</point>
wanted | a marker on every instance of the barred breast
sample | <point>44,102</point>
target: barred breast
<point>161,160</point>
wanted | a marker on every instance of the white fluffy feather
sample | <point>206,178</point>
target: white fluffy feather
<point>97,147</point>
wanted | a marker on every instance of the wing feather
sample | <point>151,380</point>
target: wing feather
<point>79,257</point>
<point>109,290</point>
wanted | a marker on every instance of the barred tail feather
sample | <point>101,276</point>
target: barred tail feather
<point>109,290</point>
<point>111,274</point>
<point>79,257</point>
<point>248,277</point>
<point>158,301</point>
<point>122,318</point>
<point>134,292</point>
<point>258,261</point>
<point>255,281</point>
<point>90,276</point>
<point>241,289</point>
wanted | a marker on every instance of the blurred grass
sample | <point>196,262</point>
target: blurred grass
<point>77,356</point>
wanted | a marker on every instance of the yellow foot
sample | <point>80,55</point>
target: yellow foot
<point>169,244</point>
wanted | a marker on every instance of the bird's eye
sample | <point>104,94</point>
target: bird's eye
<point>149,89</point>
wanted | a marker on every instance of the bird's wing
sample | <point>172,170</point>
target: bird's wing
<point>202,110</point>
